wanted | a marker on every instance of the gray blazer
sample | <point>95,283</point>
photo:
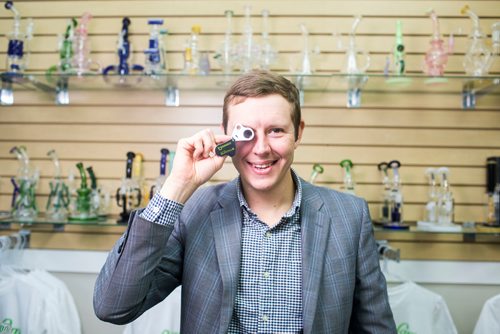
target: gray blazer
<point>344,290</point>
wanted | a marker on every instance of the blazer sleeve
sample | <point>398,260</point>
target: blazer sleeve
<point>371,311</point>
<point>143,267</point>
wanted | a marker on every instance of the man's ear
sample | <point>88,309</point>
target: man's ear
<point>302,124</point>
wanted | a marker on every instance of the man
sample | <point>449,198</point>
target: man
<point>264,253</point>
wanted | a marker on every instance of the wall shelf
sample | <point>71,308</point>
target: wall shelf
<point>469,90</point>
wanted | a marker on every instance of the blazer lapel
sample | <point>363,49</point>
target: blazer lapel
<point>226,225</point>
<point>315,230</point>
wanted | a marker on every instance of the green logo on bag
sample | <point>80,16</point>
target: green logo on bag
<point>6,327</point>
<point>404,328</point>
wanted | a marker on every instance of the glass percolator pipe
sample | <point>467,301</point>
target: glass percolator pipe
<point>268,54</point>
<point>316,170</point>
<point>384,209</point>
<point>396,195</point>
<point>399,50</point>
<point>347,165</point>
<point>432,201</point>
<point>445,201</point>
<point>477,59</point>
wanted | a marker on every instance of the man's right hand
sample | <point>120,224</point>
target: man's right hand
<point>194,164</point>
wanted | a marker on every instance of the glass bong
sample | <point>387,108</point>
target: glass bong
<point>248,50</point>
<point>348,185</point>
<point>99,198</point>
<point>17,54</point>
<point>81,62</point>
<point>163,172</point>
<point>155,57</point>
<point>24,206</point>
<point>436,57</point>
<point>123,51</point>
<point>128,195</point>
<point>445,207</point>
<point>59,199</point>
<point>478,57</point>
<point>226,55</point>
<point>432,201</point>
<point>65,50</point>
<point>356,61</point>
<point>16,58</point>
<point>268,55</point>
<point>316,170</point>
<point>83,209</point>
<point>384,208</point>
<point>395,199</point>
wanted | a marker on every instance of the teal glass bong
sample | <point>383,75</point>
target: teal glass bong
<point>123,51</point>
<point>59,198</point>
<point>436,57</point>
<point>128,195</point>
<point>82,208</point>
<point>17,54</point>
<point>163,171</point>
<point>348,185</point>
<point>24,207</point>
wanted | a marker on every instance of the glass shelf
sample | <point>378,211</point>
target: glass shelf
<point>469,89</point>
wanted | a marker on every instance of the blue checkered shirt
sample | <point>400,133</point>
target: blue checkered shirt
<point>269,293</point>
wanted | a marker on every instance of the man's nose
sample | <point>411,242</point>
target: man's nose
<point>261,144</point>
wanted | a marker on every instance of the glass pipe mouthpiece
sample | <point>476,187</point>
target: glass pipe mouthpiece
<point>347,165</point>
<point>55,159</point>
<point>316,170</point>
<point>306,65</point>
<point>163,170</point>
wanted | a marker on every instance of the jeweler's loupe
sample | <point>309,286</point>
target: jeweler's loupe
<point>240,133</point>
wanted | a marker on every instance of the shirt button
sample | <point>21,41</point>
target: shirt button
<point>156,209</point>
<point>266,274</point>
<point>268,234</point>
<point>265,318</point>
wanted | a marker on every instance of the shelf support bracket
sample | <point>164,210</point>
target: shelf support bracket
<point>62,93</point>
<point>6,93</point>
<point>354,88</point>
<point>468,95</point>
<point>172,96</point>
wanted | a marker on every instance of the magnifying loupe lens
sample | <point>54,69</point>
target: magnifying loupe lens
<point>247,133</point>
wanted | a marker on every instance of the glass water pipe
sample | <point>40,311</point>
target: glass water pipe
<point>306,66</point>
<point>128,195</point>
<point>82,63</point>
<point>226,55</point>
<point>316,170</point>
<point>445,207</point>
<point>82,208</point>
<point>386,190</point>
<point>124,50</point>
<point>268,54</point>
<point>100,198</point>
<point>163,173</point>
<point>59,198</point>
<point>348,186</point>
<point>248,51</point>
<point>192,52</point>
<point>399,51</point>
<point>436,56</point>
<point>25,183</point>
<point>396,195</point>
<point>432,193</point>
<point>18,45</point>
<point>356,61</point>
<point>155,58</point>
<point>478,57</point>
<point>65,50</point>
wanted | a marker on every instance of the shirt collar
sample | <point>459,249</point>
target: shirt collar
<point>296,201</point>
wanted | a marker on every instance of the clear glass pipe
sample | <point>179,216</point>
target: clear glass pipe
<point>445,207</point>
<point>354,56</point>
<point>396,195</point>
<point>268,54</point>
<point>82,63</point>
<point>59,198</point>
<point>432,193</point>
<point>226,56</point>
<point>386,188</point>
<point>306,63</point>
<point>248,51</point>
<point>24,201</point>
<point>478,57</point>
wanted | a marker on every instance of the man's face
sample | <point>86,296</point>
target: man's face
<point>264,162</point>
